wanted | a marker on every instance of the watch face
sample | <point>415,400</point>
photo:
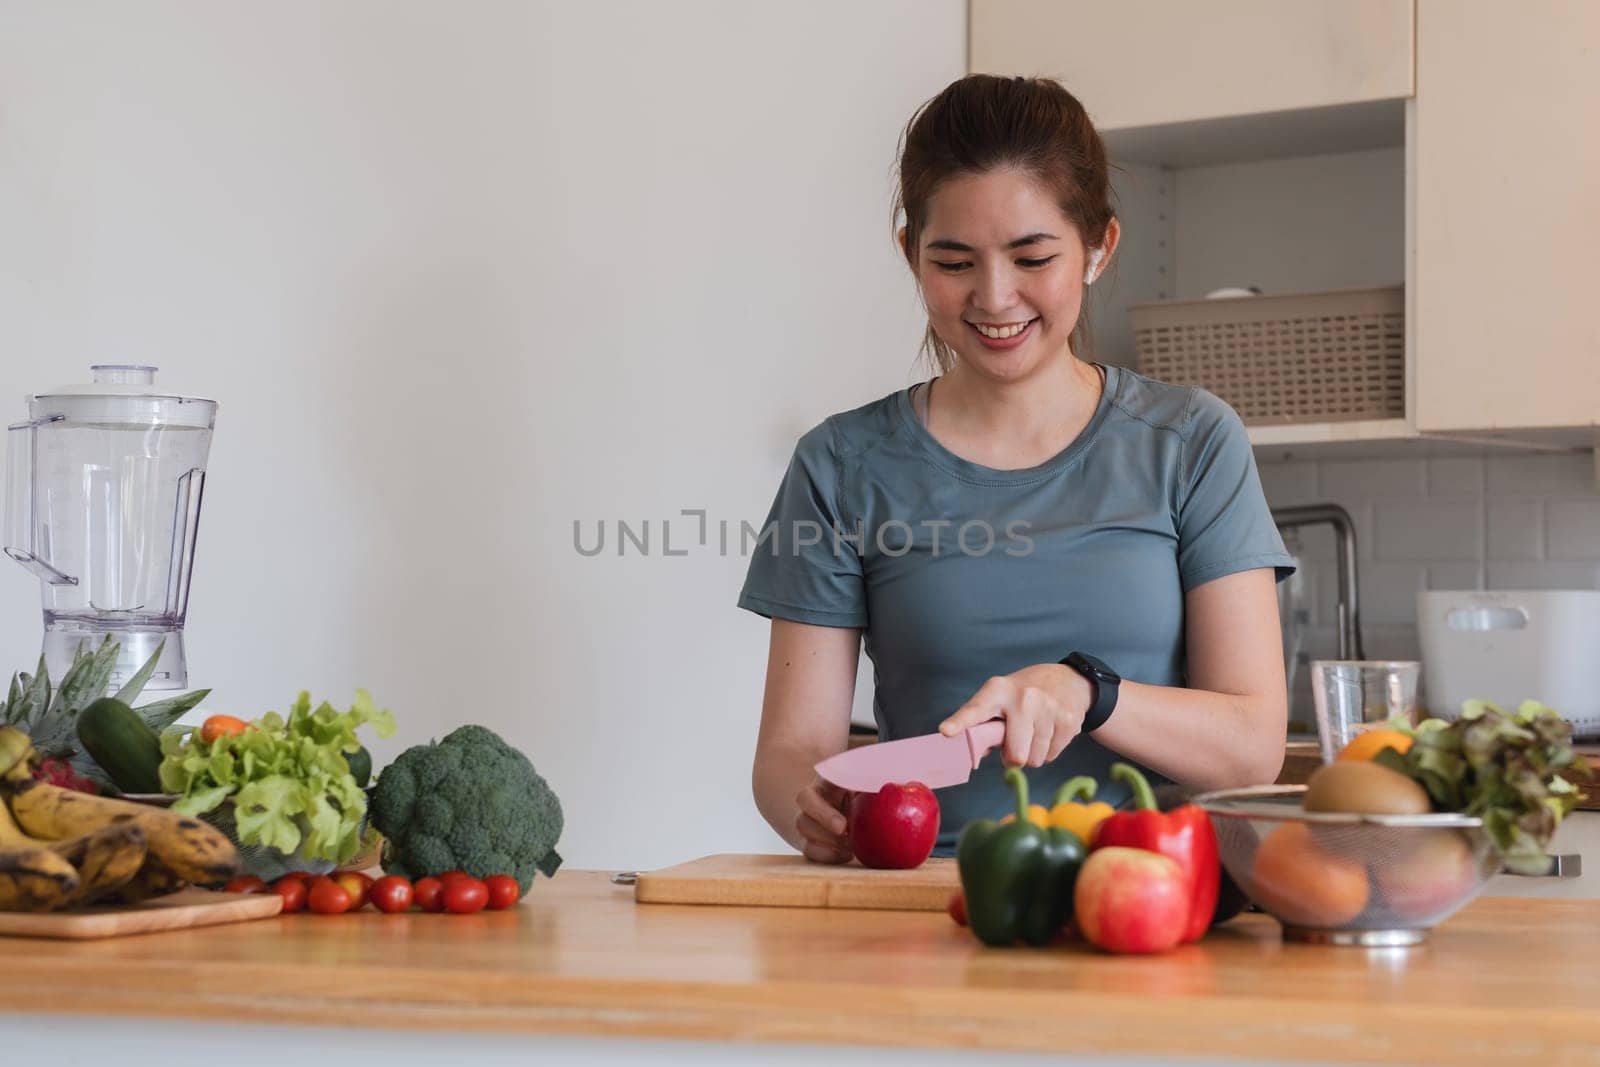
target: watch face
<point>1098,669</point>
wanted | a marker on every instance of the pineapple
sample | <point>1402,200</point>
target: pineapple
<point>51,718</point>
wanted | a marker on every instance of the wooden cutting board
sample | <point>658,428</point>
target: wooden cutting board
<point>176,911</point>
<point>794,882</point>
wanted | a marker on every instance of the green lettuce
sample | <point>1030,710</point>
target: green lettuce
<point>1515,770</point>
<point>289,779</point>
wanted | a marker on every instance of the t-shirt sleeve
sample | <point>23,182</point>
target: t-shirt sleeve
<point>1224,524</point>
<point>806,565</point>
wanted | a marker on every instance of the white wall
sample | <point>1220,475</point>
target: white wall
<point>459,275</point>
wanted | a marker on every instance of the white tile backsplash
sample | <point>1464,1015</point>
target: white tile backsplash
<point>1341,479</point>
<point>1516,528</point>
<point>1572,529</point>
<point>1427,529</point>
<point>1290,483</point>
<point>1497,521</point>
<point>1544,574</point>
<point>1455,575</point>
<point>1543,474</point>
<point>1389,593</point>
<point>1453,476</point>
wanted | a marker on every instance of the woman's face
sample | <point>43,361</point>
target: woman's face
<point>1001,271</point>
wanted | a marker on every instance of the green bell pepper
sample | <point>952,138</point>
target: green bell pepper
<point>1017,877</point>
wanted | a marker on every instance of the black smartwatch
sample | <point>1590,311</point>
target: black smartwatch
<point>1105,682</point>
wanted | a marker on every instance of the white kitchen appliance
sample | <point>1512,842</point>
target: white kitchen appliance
<point>103,496</point>
<point>1511,646</point>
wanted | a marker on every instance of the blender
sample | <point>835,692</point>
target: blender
<point>103,498</point>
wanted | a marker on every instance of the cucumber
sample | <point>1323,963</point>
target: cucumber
<point>360,762</point>
<point>123,744</point>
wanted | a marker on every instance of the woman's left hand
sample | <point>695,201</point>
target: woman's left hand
<point>1043,706</point>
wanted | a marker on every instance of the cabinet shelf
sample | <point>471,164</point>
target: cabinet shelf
<point>1359,127</point>
<point>1392,438</point>
<point>1317,433</point>
<point>1348,439</point>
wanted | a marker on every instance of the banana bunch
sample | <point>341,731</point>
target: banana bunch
<point>61,849</point>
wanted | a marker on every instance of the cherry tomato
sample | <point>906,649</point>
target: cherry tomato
<point>453,876</point>
<point>246,883</point>
<point>391,893</point>
<point>429,894</point>
<point>293,892</point>
<point>222,726</point>
<point>357,885</point>
<point>958,907</point>
<point>465,896</point>
<point>329,898</point>
<point>503,891</point>
<point>298,876</point>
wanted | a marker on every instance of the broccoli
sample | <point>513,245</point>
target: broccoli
<point>470,802</point>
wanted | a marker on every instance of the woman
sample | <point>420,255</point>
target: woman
<point>1022,506</point>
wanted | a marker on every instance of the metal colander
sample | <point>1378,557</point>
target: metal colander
<point>1346,878</point>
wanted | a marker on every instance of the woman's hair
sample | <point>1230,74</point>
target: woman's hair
<point>983,123</point>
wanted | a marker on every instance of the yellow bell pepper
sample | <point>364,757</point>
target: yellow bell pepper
<point>1038,814</point>
<point>1081,819</point>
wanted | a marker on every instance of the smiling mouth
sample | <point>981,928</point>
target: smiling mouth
<point>999,332</point>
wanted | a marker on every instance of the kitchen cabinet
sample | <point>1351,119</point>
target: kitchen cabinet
<point>1471,180</point>
<point>1148,62</point>
<point>1507,216</point>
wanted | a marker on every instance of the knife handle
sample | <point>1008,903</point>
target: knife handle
<point>984,736</point>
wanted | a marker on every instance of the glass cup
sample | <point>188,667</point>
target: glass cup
<point>1356,695</point>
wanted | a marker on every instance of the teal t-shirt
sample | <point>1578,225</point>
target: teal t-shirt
<point>957,572</point>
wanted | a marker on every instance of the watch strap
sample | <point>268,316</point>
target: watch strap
<point>1105,684</point>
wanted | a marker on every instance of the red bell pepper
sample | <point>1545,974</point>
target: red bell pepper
<point>1183,834</point>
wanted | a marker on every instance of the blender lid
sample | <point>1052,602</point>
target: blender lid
<point>119,379</point>
<point>125,395</point>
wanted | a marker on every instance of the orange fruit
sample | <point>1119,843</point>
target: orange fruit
<point>1366,745</point>
<point>1303,884</point>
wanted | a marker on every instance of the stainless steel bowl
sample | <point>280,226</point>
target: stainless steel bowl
<point>1349,879</point>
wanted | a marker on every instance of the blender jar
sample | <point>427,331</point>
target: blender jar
<point>103,499</point>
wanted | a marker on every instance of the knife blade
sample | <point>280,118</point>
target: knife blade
<point>934,760</point>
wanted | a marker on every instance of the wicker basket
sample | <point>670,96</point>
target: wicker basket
<point>1296,357</point>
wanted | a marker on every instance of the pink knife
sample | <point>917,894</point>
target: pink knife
<point>932,759</point>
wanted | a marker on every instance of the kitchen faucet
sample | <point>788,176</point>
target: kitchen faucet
<point>1345,550</point>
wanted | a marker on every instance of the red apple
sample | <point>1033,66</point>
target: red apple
<point>1131,900</point>
<point>894,828</point>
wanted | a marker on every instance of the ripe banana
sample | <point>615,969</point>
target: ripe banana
<point>35,879</point>
<point>33,876</point>
<point>152,880</point>
<point>192,850</point>
<point>106,860</point>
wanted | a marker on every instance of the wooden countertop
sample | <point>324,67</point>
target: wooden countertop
<point>1507,980</point>
<point>1304,757</point>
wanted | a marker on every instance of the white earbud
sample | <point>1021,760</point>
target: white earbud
<point>1095,255</point>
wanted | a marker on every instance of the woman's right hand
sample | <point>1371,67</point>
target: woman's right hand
<point>821,821</point>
